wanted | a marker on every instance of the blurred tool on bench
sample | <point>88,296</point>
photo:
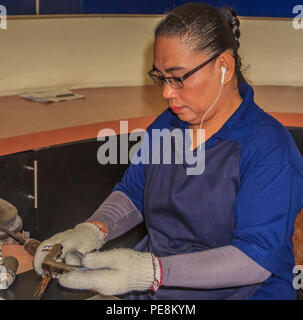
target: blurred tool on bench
<point>51,267</point>
<point>8,269</point>
<point>10,220</point>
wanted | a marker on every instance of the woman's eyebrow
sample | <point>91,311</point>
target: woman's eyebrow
<point>169,70</point>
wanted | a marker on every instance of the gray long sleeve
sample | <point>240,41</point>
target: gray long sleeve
<point>118,213</point>
<point>223,267</point>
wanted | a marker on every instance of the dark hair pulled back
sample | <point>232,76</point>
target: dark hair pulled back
<point>205,28</point>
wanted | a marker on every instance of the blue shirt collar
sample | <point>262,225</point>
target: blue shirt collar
<point>236,128</point>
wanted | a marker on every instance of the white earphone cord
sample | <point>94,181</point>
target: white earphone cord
<point>221,86</point>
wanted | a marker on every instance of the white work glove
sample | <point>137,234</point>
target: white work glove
<point>84,238</point>
<point>116,271</point>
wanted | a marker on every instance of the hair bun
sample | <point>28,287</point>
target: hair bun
<point>232,19</point>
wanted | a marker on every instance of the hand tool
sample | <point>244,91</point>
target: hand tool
<point>31,245</point>
<point>51,267</point>
<point>13,235</point>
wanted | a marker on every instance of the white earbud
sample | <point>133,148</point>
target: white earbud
<point>223,69</point>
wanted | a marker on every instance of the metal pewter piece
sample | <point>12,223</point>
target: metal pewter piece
<point>51,268</point>
<point>46,278</point>
<point>12,234</point>
<point>54,267</point>
<point>8,270</point>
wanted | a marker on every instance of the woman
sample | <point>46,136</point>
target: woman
<point>222,234</point>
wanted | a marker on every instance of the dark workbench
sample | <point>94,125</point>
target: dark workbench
<point>26,283</point>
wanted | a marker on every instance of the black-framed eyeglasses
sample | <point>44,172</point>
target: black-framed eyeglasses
<point>177,82</point>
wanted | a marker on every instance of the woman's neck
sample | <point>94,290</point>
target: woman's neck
<point>216,121</point>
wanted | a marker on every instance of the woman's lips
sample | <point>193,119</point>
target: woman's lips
<point>176,109</point>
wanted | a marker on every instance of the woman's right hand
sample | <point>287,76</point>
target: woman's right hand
<point>84,238</point>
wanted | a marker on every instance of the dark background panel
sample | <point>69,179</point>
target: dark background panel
<point>16,7</point>
<point>297,134</point>
<point>60,6</point>
<point>72,184</point>
<point>16,184</point>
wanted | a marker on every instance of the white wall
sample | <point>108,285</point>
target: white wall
<point>79,52</point>
<point>272,50</point>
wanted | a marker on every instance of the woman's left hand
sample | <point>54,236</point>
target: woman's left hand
<point>115,272</point>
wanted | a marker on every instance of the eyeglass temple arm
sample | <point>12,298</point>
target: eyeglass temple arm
<point>199,67</point>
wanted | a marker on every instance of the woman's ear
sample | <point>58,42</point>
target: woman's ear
<point>227,63</point>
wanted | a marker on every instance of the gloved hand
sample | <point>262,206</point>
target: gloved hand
<point>84,238</point>
<point>125,270</point>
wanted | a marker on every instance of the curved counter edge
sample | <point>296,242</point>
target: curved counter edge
<point>84,132</point>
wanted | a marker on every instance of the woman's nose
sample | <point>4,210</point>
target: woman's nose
<point>167,91</point>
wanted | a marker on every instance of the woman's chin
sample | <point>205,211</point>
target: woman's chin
<point>184,117</point>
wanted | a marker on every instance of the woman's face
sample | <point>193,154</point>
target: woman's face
<point>173,57</point>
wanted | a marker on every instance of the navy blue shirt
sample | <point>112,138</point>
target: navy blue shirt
<point>248,196</point>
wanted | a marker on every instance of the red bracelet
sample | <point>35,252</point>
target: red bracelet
<point>102,227</point>
<point>158,279</point>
